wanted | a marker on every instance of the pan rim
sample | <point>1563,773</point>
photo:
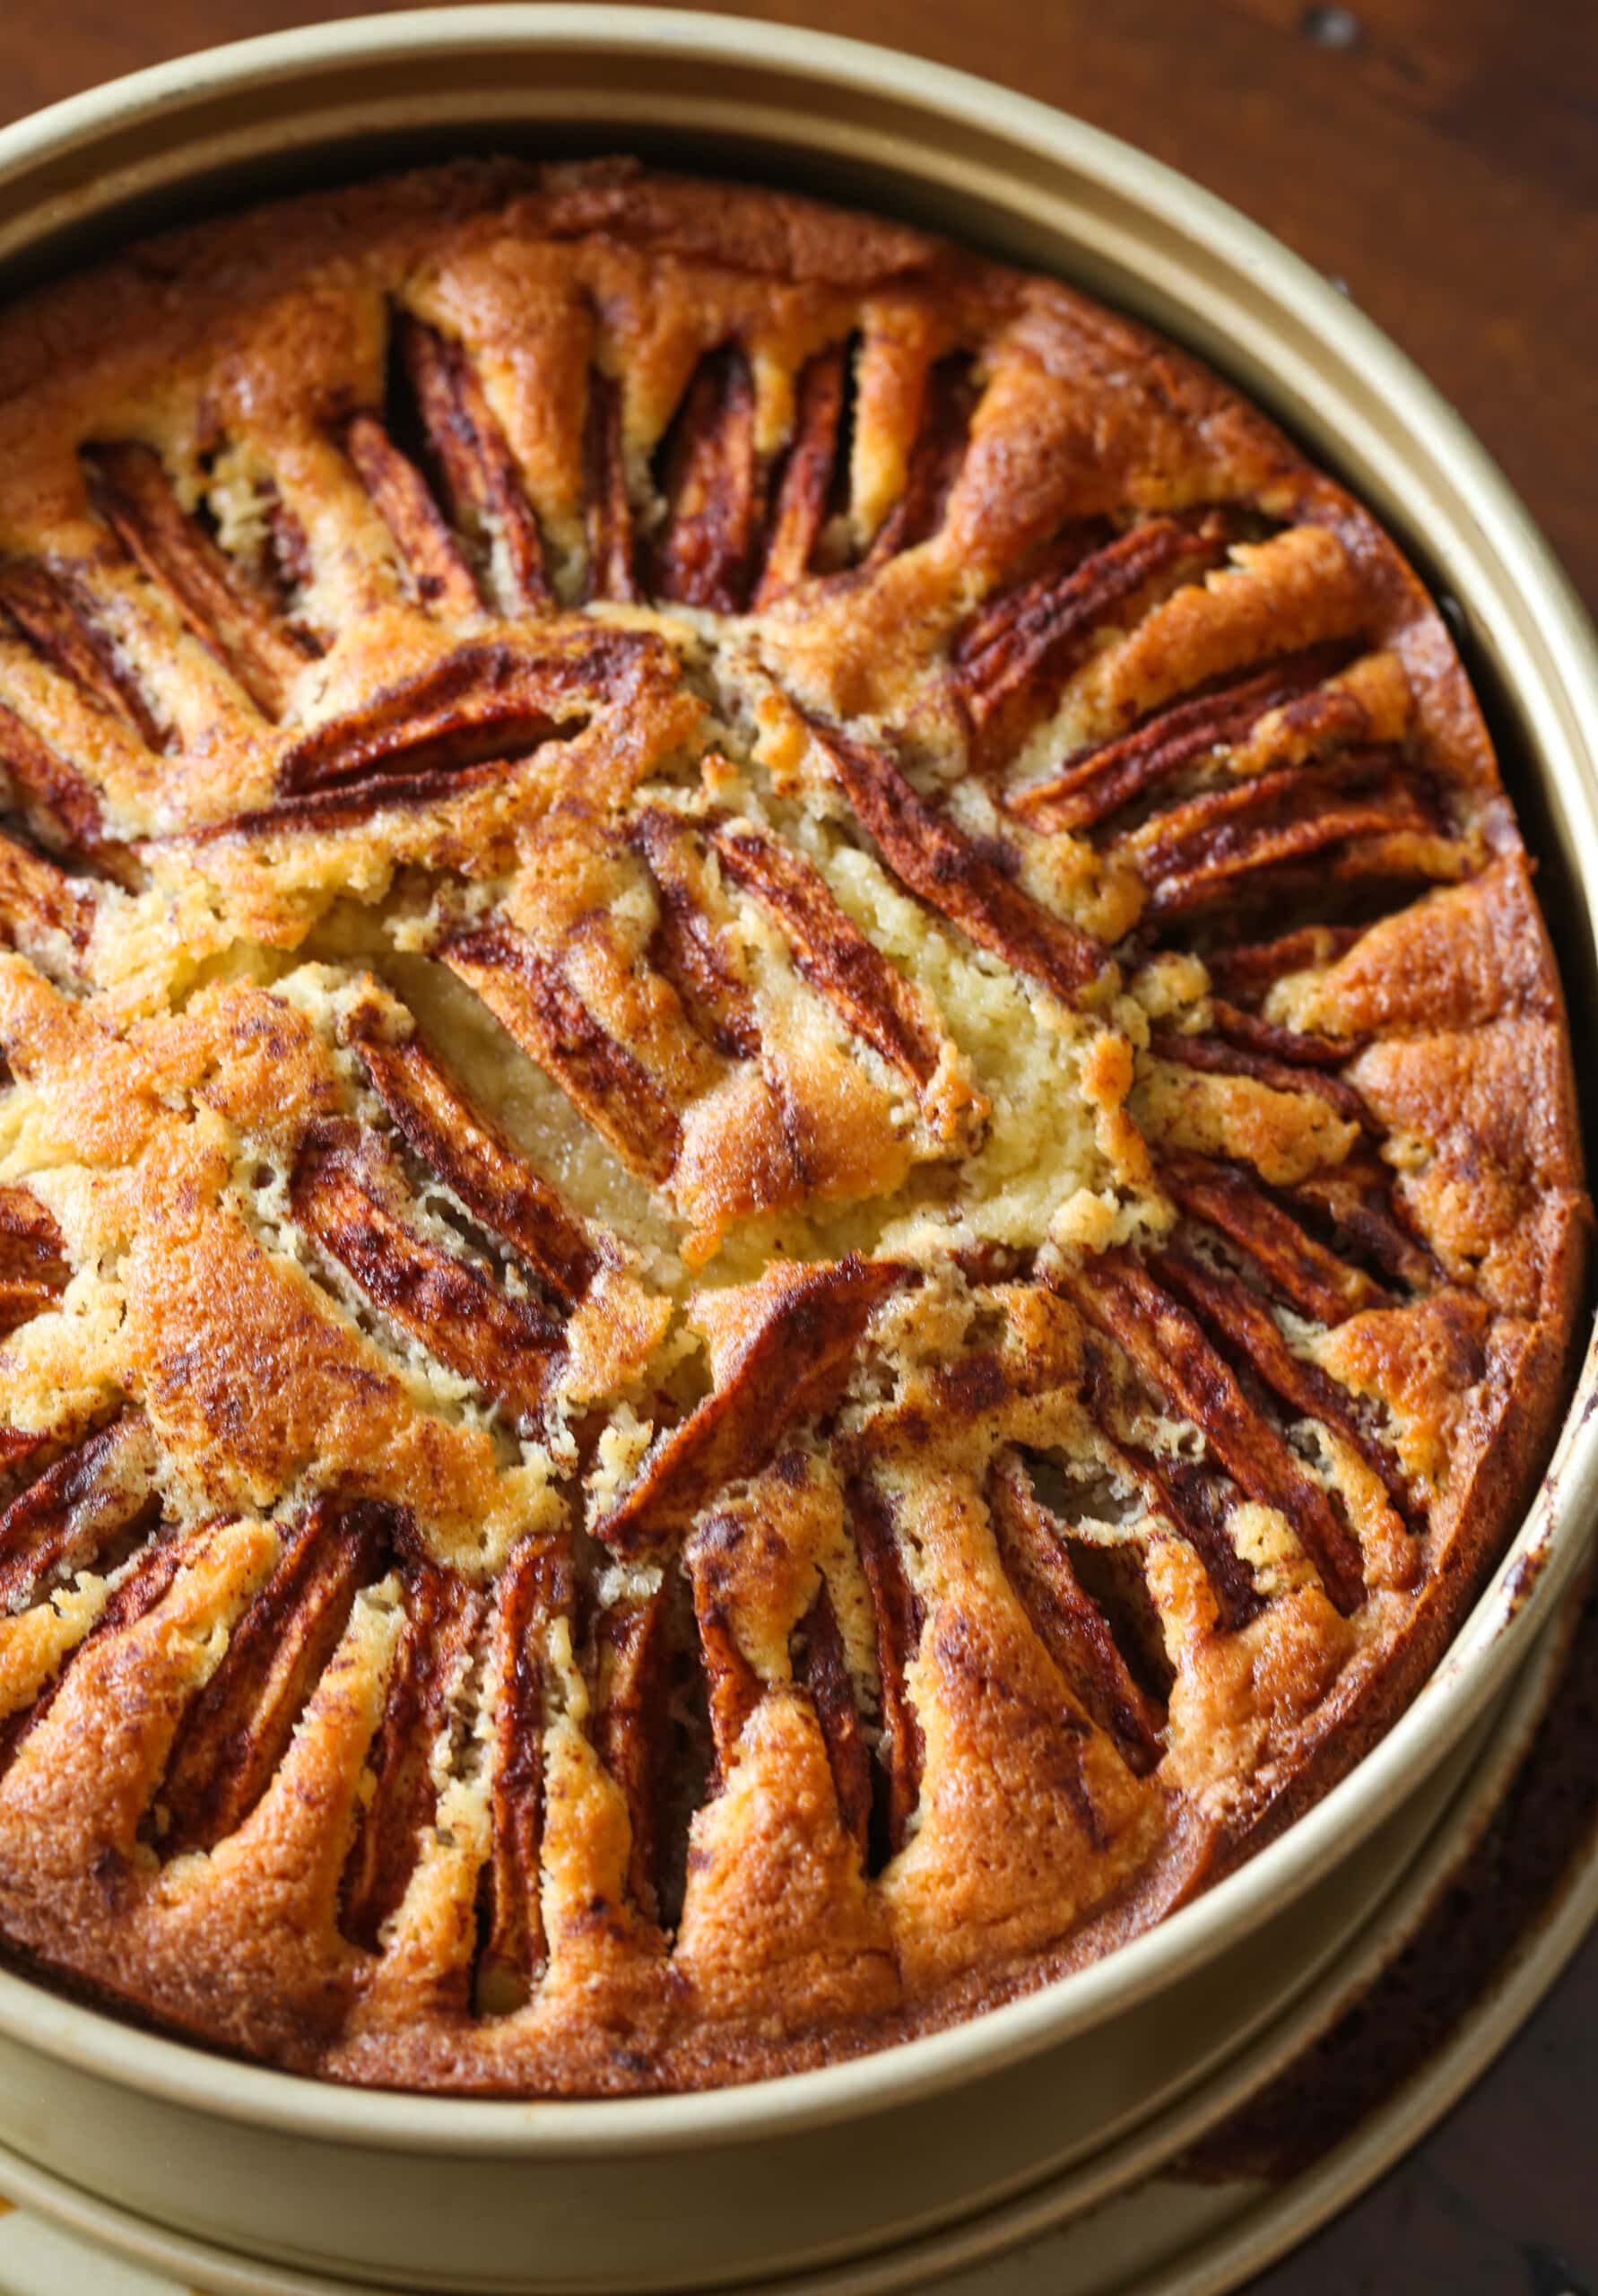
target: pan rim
<point>1549,663</point>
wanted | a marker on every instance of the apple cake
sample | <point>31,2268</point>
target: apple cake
<point>788,1183</point>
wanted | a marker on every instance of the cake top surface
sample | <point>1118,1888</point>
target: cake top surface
<point>788,1188</point>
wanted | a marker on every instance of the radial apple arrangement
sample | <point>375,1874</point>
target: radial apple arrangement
<point>788,1186</point>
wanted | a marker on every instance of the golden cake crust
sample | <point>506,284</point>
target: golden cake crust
<point>789,1189</point>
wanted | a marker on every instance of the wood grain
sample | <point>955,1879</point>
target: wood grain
<point>1441,157</point>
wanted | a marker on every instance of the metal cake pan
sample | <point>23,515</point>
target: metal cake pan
<point>687,2192</point>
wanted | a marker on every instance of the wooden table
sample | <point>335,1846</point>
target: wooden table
<point>1441,157</point>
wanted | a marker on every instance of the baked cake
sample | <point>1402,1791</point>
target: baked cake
<point>788,1188</point>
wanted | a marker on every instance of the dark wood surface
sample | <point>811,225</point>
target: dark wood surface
<point>1441,157</point>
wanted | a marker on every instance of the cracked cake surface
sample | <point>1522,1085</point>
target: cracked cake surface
<point>789,1193</point>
